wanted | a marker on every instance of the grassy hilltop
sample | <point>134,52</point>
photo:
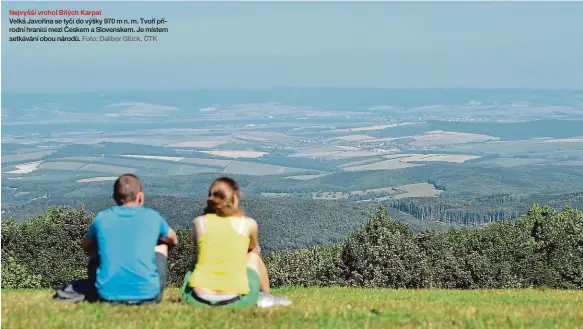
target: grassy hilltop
<point>314,308</point>
<point>349,284</point>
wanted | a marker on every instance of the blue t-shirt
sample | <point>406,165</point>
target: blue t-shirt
<point>126,238</point>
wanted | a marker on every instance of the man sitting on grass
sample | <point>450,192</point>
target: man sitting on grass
<point>129,246</point>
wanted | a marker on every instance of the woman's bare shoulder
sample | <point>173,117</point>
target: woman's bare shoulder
<point>250,222</point>
<point>198,220</point>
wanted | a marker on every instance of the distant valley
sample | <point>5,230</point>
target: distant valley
<point>349,145</point>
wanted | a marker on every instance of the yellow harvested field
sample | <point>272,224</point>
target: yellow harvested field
<point>401,155</point>
<point>417,190</point>
<point>337,152</point>
<point>353,138</point>
<point>416,157</point>
<point>457,158</point>
<point>564,140</point>
<point>154,157</point>
<point>382,165</point>
<point>319,151</point>
<point>236,154</point>
<point>347,148</point>
<point>254,169</point>
<point>201,144</point>
<point>439,137</point>
<point>25,168</point>
<point>306,177</point>
<point>377,127</point>
<point>97,179</point>
<point>358,163</point>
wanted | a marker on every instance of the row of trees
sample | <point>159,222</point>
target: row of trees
<point>543,248</point>
<point>482,210</point>
<point>286,223</point>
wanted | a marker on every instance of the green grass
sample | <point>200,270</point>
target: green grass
<point>314,308</point>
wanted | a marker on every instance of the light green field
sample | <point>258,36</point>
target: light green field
<point>259,169</point>
<point>513,162</point>
<point>30,156</point>
<point>571,163</point>
<point>397,192</point>
<point>417,190</point>
<point>306,177</point>
<point>518,147</point>
<point>61,165</point>
<point>332,308</point>
<point>382,165</point>
<point>116,170</point>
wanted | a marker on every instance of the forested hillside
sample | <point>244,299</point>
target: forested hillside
<point>482,210</point>
<point>285,223</point>
<point>331,219</point>
<point>542,248</point>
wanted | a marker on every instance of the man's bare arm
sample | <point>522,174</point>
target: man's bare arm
<point>171,240</point>
<point>88,245</point>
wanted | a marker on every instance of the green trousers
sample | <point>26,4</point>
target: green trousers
<point>246,301</point>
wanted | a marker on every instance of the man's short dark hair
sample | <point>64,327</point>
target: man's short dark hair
<point>126,189</point>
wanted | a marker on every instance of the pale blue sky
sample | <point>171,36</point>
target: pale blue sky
<point>279,44</point>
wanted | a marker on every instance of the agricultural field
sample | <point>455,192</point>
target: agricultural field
<point>287,134</point>
<point>382,165</point>
<point>313,308</point>
<point>514,162</point>
<point>455,158</point>
<point>198,144</point>
<point>25,168</point>
<point>251,168</point>
<point>396,192</point>
<point>417,190</point>
<point>353,138</point>
<point>305,177</point>
<point>236,154</point>
<point>375,194</point>
<point>439,137</point>
<point>532,147</point>
<point>98,179</point>
<point>23,155</point>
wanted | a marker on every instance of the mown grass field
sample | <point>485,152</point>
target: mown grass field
<point>314,308</point>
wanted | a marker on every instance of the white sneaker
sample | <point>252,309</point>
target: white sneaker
<point>267,300</point>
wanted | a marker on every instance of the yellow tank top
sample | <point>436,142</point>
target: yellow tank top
<point>222,257</point>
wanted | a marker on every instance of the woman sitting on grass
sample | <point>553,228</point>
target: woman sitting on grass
<point>229,270</point>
